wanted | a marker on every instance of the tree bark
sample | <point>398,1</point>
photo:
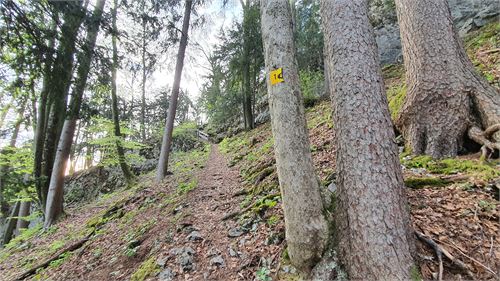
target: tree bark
<point>11,224</point>
<point>305,225</point>
<point>247,90</point>
<point>116,122</point>
<point>172,107</point>
<point>446,97</point>
<point>372,218</point>
<point>58,87</point>
<point>54,204</point>
<point>24,211</point>
<point>144,72</point>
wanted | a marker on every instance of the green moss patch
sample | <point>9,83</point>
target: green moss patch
<point>415,182</point>
<point>146,269</point>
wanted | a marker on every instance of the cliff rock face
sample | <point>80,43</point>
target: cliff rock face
<point>468,16</point>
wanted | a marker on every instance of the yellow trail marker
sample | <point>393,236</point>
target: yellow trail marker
<point>276,76</point>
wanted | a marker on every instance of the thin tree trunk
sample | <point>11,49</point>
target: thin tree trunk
<point>116,122</point>
<point>24,211</point>
<point>54,207</point>
<point>305,224</point>
<point>72,160</point>
<point>372,218</point>
<point>247,91</point>
<point>446,97</point>
<point>11,224</point>
<point>144,72</point>
<point>43,111</point>
<point>172,107</point>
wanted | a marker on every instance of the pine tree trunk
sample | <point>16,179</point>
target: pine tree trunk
<point>54,204</point>
<point>172,107</point>
<point>372,219</point>
<point>116,122</point>
<point>446,97</point>
<point>305,224</point>
<point>11,224</point>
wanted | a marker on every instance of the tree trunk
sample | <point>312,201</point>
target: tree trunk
<point>143,93</point>
<point>116,122</point>
<point>58,87</point>
<point>445,96</point>
<point>54,204</point>
<point>305,224</point>
<point>72,155</point>
<point>24,211</point>
<point>372,218</point>
<point>247,90</point>
<point>172,107</point>
<point>11,224</point>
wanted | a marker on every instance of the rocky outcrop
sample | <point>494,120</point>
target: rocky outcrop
<point>468,16</point>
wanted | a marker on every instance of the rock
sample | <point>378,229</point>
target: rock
<point>213,252</point>
<point>184,257</point>
<point>235,232</point>
<point>194,236</point>
<point>161,261</point>
<point>166,275</point>
<point>217,261</point>
<point>232,252</point>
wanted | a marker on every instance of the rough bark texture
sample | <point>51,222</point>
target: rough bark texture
<point>116,122</point>
<point>54,204</point>
<point>445,96</point>
<point>247,90</point>
<point>172,107</point>
<point>372,216</point>
<point>143,92</point>
<point>306,227</point>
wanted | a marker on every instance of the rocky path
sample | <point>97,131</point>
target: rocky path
<point>210,250</point>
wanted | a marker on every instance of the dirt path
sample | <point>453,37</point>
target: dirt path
<point>205,231</point>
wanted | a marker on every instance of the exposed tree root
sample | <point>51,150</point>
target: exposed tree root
<point>484,138</point>
<point>440,251</point>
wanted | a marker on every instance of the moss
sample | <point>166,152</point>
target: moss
<point>184,187</point>
<point>488,35</point>
<point>63,258</point>
<point>56,245</point>
<point>25,235</point>
<point>393,71</point>
<point>396,95</point>
<point>146,269</point>
<point>415,273</point>
<point>415,182</point>
<point>485,171</point>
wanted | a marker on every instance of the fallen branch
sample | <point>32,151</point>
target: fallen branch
<point>441,251</point>
<point>47,262</point>
<point>237,213</point>
<point>471,258</point>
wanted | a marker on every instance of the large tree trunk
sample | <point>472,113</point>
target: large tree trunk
<point>116,122</point>
<point>372,218</point>
<point>58,86</point>
<point>445,96</point>
<point>54,204</point>
<point>305,224</point>
<point>172,107</point>
<point>11,224</point>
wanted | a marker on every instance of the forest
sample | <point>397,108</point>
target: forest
<point>249,140</point>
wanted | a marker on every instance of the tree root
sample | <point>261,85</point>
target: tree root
<point>484,138</point>
<point>440,251</point>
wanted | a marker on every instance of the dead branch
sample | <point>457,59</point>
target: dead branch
<point>47,262</point>
<point>441,251</point>
<point>471,258</point>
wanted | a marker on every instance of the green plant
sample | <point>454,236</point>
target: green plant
<point>311,85</point>
<point>273,220</point>
<point>146,269</point>
<point>263,274</point>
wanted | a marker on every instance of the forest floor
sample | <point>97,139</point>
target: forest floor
<point>219,215</point>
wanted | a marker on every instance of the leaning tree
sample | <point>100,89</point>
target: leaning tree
<point>446,100</point>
